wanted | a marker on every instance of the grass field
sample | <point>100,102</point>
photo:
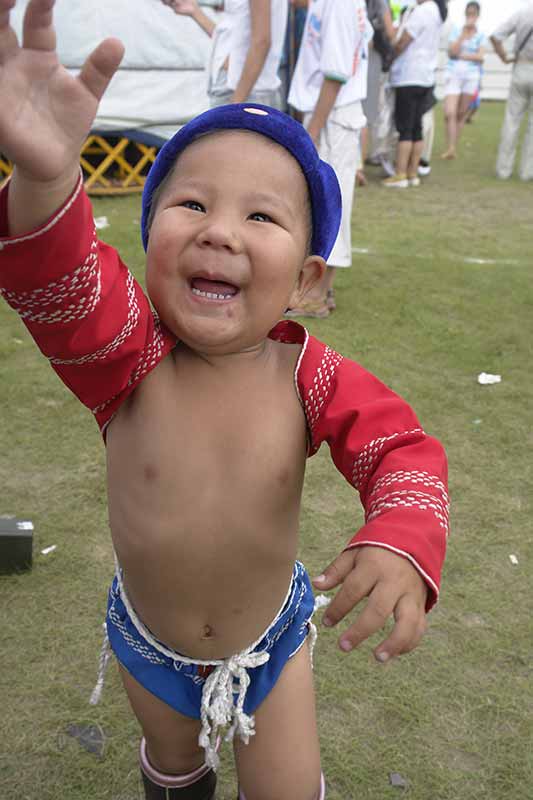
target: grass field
<point>441,289</point>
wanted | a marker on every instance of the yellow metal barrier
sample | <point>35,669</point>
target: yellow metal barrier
<point>110,166</point>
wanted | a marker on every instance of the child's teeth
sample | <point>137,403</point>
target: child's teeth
<point>210,295</point>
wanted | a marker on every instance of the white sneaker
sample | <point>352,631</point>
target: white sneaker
<point>424,169</point>
<point>396,182</point>
<point>413,180</point>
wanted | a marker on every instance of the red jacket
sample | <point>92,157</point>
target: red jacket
<point>94,323</point>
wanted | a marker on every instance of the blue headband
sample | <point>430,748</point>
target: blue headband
<point>321,179</point>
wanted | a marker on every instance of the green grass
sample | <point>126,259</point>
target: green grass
<point>455,718</point>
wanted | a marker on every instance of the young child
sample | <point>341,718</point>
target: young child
<point>209,409</point>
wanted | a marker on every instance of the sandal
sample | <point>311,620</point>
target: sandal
<point>312,308</point>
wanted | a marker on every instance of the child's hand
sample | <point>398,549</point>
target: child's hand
<point>392,585</point>
<point>47,113</point>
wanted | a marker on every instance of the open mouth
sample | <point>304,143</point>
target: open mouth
<point>213,289</point>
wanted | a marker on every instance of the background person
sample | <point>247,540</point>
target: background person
<point>247,47</point>
<point>328,86</point>
<point>380,55</point>
<point>466,49</point>
<point>520,98</point>
<point>412,75</point>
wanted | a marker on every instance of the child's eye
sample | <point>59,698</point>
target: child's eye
<point>258,216</point>
<point>193,205</point>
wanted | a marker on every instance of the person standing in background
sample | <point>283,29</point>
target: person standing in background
<point>412,75</point>
<point>328,86</point>
<point>520,97</point>
<point>246,52</point>
<point>466,48</point>
<point>380,58</point>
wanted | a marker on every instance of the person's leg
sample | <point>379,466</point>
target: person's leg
<point>360,177</point>
<point>403,156</point>
<point>514,111</point>
<point>526,162</point>
<point>451,103</point>
<point>428,132</point>
<point>465,100</point>
<point>404,116</point>
<point>282,759</point>
<point>338,146</point>
<point>414,161</point>
<point>172,761</point>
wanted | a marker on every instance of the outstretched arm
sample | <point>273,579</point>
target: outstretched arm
<point>50,112</point>
<point>377,443</point>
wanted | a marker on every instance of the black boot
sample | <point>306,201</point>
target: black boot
<point>197,785</point>
<point>203,789</point>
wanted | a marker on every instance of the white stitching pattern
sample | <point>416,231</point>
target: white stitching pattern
<point>406,498</point>
<point>118,341</point>
<point>368,457</point>
<point>413,476</point>
<point>319,391</point>
<point>80,289</point>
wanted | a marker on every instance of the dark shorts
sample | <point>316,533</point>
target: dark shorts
<point>411,103</point>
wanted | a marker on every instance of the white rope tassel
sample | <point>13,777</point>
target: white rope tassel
<point>321,601</point>
<point>218,708</point>
<point>105,655</point>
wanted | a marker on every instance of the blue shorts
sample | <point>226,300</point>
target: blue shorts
<point>180,684</point>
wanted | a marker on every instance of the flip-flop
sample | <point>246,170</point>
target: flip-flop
<point>318,310</point>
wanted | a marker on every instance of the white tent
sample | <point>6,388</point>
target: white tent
<point>161,81</point>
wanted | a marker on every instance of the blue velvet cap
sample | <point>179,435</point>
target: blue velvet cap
<point>321,179</point>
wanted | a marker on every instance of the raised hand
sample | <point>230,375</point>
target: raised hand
<point>393,588</point>
<point>46,112</point>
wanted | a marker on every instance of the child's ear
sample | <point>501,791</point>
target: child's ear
<point>311,274</point>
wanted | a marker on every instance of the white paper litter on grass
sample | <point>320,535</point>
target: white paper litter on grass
<point>48,549</point>
<point>101,222</point>
<point>513,559</point>
<point>485,378</point>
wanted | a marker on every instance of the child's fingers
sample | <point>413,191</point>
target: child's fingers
<point>357,586</point>
<point>8,39</point>
<point>337,571</point>
<point>373,618</point>
<point>409,628</point>
<point>5,9</point>
<point>38,31</point>
<point>101,65</point>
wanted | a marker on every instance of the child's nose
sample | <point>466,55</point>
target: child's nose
<point>220,234</point>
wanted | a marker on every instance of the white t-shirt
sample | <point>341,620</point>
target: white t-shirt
<point>231,39</point>
<point>417,64</point>
<point>334,45</point>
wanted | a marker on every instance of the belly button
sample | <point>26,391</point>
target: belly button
<point>208,632</point>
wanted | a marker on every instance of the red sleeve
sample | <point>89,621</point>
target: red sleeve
<point>379,446</point>
<point>82,306</point>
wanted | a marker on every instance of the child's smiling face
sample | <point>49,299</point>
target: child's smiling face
<point>228,246</point>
